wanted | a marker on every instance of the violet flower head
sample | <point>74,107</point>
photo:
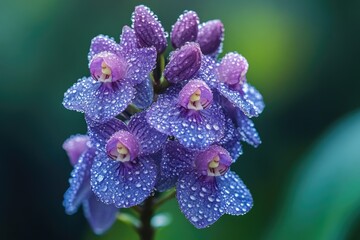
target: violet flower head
<point>206,189</point>
<point>230,81</point>
<point>210,37</point>
<point>148,29</point>
<point>99,215</point>
<point>117,70</point>
<point>185,29</point>
<point>184,63</point>
<point>189,114</point>
<point>124,171</point>
<point>161,123</point>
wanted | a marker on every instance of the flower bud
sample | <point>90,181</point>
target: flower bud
<point>148,29</point>
<point>184,63</point>
<point>185,29</point>
<point>232,69</point>
<point>210,36</point>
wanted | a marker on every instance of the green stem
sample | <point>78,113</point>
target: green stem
<point>146,230</point>
<point>167,196</point>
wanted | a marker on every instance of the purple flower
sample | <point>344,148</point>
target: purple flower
<point>210,37</point>
<point>241,94</point>
<point>206,189</point>
<point>185,29</point>
<point>124,171</point>
<point>190,115</point>
<point>99,215</point>
<point>148,29</point>
<point>184,63</point>
<point>118,71</point>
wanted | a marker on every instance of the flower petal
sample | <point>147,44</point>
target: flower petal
<point>185,29</point>
<point>150,139</point>
<point>141,62</point>
<point>199,200</point>
<point>234,147</point>
<point>247,130</point>
<point>234,192</point>
<point>123,185</point>
<point>128,40</point>
<point>100,101</point>
<point>102,43</point>
<point>248,100</point>
<point>175,159</point>
<point>148,29</point>
<point>99,215</point>
<point>231,140</point>
<point>75,146</point>
<point>144,94</point>
<point>252,95</point>
<point>196,131</point>
<point>100,133</point>
<point>79,188</point>
<point>210,37</point>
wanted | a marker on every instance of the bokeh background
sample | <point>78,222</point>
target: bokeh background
<point>304,58</point>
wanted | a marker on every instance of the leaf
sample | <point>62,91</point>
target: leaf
<point>324,197</point>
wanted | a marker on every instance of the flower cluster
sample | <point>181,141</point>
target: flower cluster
<point>155,126</point>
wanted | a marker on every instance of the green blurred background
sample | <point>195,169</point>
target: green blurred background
<point>304,58</point>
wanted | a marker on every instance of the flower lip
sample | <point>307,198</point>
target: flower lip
<point>108,67</point>
<point>232,69</point>
<point>195,95</point>
<point>214,161</point>
<point>122,146</point>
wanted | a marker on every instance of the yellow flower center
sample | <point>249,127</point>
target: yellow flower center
<point>194,102</point>
<point>123,153</point>
<point>105,73</point>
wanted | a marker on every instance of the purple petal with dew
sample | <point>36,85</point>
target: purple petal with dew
<point>247,130</point>
<point>196,131</point>
<point>185,29</point>
<point>210,37</point>
<point>234,147</point>
<point>75,146</point>
<point>124,185</point>
<point>99,215</point>
<point>150,139</point>
<point>199,131</point>
<point>231,140</point>
<point>100,133</point>
<point>184,63</point>
<point>102,43</point>
<point>128,40</point>
<point>242,100</point>
<point>207,71</point>
<point>175,160</point>
<point>158,113</point>
<point>199,200</point>
<point>99,101</point>
<point>140,63</point>
<point>148,29</point>
<point>254,97</point>
<point>79,183</point>
<point>144,94</point>
<point>234,192</point>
